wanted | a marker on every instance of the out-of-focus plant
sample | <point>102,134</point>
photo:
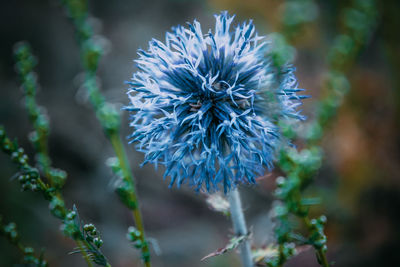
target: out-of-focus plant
<point>10,232</point>
<point>25,63</point>
<point>107,115</point>
<point>30,180</point>
<point>357,23</point>
<point>53,179</point>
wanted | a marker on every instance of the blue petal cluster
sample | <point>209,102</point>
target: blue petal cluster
<point>206,105</point>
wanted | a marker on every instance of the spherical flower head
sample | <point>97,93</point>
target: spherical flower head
<point>206,106</point>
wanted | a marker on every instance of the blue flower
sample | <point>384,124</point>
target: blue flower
<point>206,105</point>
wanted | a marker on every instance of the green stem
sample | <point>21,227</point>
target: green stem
<point>107,116</point>
<point>84,253</point>
<point>322,258</point>
<point>49,194</point>
<point>128,178</point>
<point>321,254</point>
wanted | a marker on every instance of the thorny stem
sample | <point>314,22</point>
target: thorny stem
<point>239,226</point>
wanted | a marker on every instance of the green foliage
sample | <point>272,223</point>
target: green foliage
<point>30,177</point>
<point>297,13</point>
<point>25,63</point>
<point>86,233</point>
<point>136,238</point>
<point>91,53</point>
<point>301,166</point>
<point>109,118</point>
<point>9,231</point>
<point>281,52</point>
<point>106,113</point>
<point>123,188</point>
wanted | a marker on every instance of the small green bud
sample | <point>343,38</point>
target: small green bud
<point>280,210</point>
<point>58,177</point>
<point>133,234</point>
<point>280,181</point>
<point>92,53</point>
<point>89,227</point>
<point>34,187</point>
<point>278,192</point>
<point>138,244</point>
<point>124,191</point>
<point>113,163</point>
<point>70,229</point>
<point>146,256</point>
<point>109,117</point>
<point>33,137</point>
<point>29,251</point>
<point>323,219</point>
<point>7,145</point>
<point>71,215</point>
<point>22,178</point>
<point>318,244</point>
<point>98,242</point>
<point>11,231</point>
<point>34,174</point>
<point>26,186</point>
<point>57,207</point>
<point>14,156</point>
<point>23,159</point>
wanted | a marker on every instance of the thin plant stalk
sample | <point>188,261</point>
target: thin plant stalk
<point>321,254</point>
<point>81,247</point>
<point>107,115</point>
<point>25,62</point>
<point>336,85</point>
<point>239,227</point>
<point>9,232</point>
<point>137,215</point>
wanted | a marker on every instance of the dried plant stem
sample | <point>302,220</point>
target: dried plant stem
<point>239,226</point>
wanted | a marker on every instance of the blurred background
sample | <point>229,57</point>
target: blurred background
<point>359,182</point>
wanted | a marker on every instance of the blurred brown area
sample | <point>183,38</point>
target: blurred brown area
<point>359,182</point>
